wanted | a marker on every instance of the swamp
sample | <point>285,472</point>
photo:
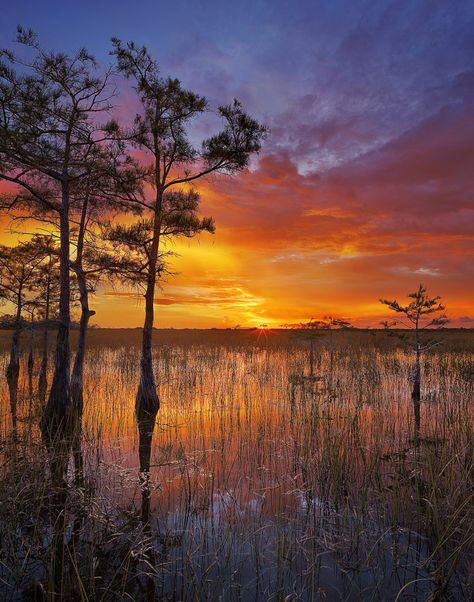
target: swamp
<point>262,483</point>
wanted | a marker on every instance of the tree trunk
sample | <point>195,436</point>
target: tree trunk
<point>146,425</point>
<point>147,398</point>
<point>13,370</point>
<point>43,372</point>
<point>31,365</point>
<point>147,401</point>
<point>415,395</point>
<point>78,368</point>
<point>55,422</point>
<point>77,377</point>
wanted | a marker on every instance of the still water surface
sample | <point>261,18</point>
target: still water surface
<point>268,485</point>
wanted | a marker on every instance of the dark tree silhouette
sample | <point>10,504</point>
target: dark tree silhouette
<point>132,250</point>
<point>18,266</point>
<point>310,331</point>
<point>31,310</point>
<point>420,314</point>
<point>91,202</point>
<point>314,329</point>
<point>46,300</point>
<point>160,130</point>
<point>49,141</point>
<point>128,257</point>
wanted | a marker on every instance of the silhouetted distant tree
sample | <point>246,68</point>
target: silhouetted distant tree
<point>313,329</point>
<point>332,323</point>
<point>310,331</point>
<point>420,314</point>
<point>18,266</point>
<point>160,130</point>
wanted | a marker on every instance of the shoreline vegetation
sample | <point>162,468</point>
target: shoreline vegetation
<point>265,481</point>
<point>451,338</point>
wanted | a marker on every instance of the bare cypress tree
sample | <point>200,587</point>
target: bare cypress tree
<point>91,200</point>
<point>419,316</point>
<point>161,131</point>
<point>49,137</point>
<point>90,261</point>
<point>106,193</point>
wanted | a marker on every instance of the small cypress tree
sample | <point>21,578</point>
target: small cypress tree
<point>422,313</point>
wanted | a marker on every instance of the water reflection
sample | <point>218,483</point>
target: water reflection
<point>43,371</point>
<point>146,425</point>
<point>270,486</point>
<point>12,375</point>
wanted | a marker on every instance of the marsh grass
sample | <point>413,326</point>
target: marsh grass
<point>264,484</point>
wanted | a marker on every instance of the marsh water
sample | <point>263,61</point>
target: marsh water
<point>265,483</point>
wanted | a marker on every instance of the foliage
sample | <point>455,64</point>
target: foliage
<point>20,270</point>
<point>128,256</point>
<point>422,313</point>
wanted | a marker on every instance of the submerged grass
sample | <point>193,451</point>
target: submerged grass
<point>265,484</point>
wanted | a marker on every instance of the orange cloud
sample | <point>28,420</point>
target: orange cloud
<point>292,245</point>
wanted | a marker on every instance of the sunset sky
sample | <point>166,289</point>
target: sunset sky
<point>364,187</point>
